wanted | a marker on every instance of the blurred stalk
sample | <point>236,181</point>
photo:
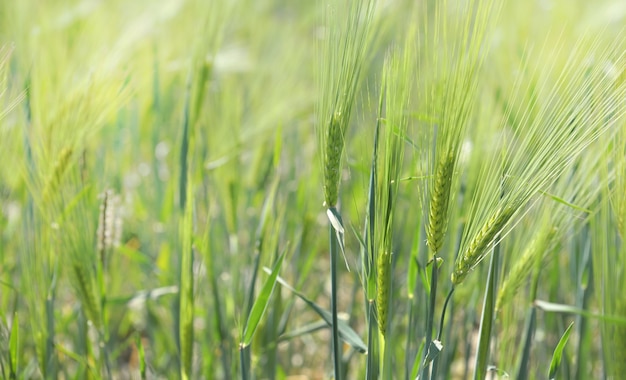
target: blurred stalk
<point>425,373</point>
<point>486,322</point>
<point>334,253</point>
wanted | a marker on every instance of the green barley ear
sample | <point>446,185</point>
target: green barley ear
<point>56,176</point>
<point>341,59</point>
<point>395,96</point>
<point>566,206</point>
<point>439,200</point>
<point>343,53</point>
<point>84,264</point>
<point>86,289</point>
<point>576,101</point>
<point>478,246</point>
<point>533,255</point>
<point>383,288</point>
<point>332,159</point>
<point>454,47</point>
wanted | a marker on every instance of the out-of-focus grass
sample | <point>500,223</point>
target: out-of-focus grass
<point>201,117</point>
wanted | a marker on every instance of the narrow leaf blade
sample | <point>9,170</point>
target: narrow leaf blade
<point>14,346</point>
<point>558,352</point>
<point>345,331</point>
<point>260,304</point>
<point>566,309</point>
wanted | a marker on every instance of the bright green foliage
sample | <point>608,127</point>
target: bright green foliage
<point>558,352</point>
<point>158,157</point>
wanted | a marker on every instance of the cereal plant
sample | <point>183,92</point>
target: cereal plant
<point>272,189</point>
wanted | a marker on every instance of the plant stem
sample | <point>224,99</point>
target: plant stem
<point>425,373</point>
<point>244,360</point>
<point>372,343</point>
<point>409,355</point>
<point>334,251</point>
<point>522,368</point>
<point>486,322</point>
<point>440,333</point>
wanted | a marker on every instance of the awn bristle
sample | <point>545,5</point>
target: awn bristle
<point>479,244</point>
<point>439,200</point>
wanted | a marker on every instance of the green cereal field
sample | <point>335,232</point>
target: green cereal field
<point>313,189</point>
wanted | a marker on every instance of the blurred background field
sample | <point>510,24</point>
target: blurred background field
<point>157,155</point>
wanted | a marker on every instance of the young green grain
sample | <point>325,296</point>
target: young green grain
<point>477,248</point>
<point>86,289</point>
<point>440,197</point>
<point>343,56</point>
<point>333,152</point>
<point>383,289</point>
<point>534,253</point>
<point>396,91</point>
<point>54,180</point>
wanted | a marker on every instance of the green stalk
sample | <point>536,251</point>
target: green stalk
<point>218,319</point>
<point>531,321</point>
<point>408,353</point>
<point>385,358</point>
<point>50,357</point>
<point>369,261</point>
<point>487,318</point>
<point>186,291</point>
<point>103,333</point>
<point>185,305</point>
<point>244,359</point>
<point>440,333</point>
<point>372,369</point>
<point>334,253</point>
<point>585,291</point>
<point>425,372</point>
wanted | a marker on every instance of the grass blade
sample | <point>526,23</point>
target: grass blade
<point>142,357</point>
<point>260,304</point>
<point>14,348</point>
<point>566,309</point>
<point>558,352</point>
<point>254,318</point>
<point>186,293</point>
<point>345,331</point>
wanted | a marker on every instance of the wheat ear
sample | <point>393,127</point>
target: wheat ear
<point>439,200</point>
<point>479,244</point>
<point>332,159</point>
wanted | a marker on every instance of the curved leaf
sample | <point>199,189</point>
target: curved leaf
<point>558,352</point>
